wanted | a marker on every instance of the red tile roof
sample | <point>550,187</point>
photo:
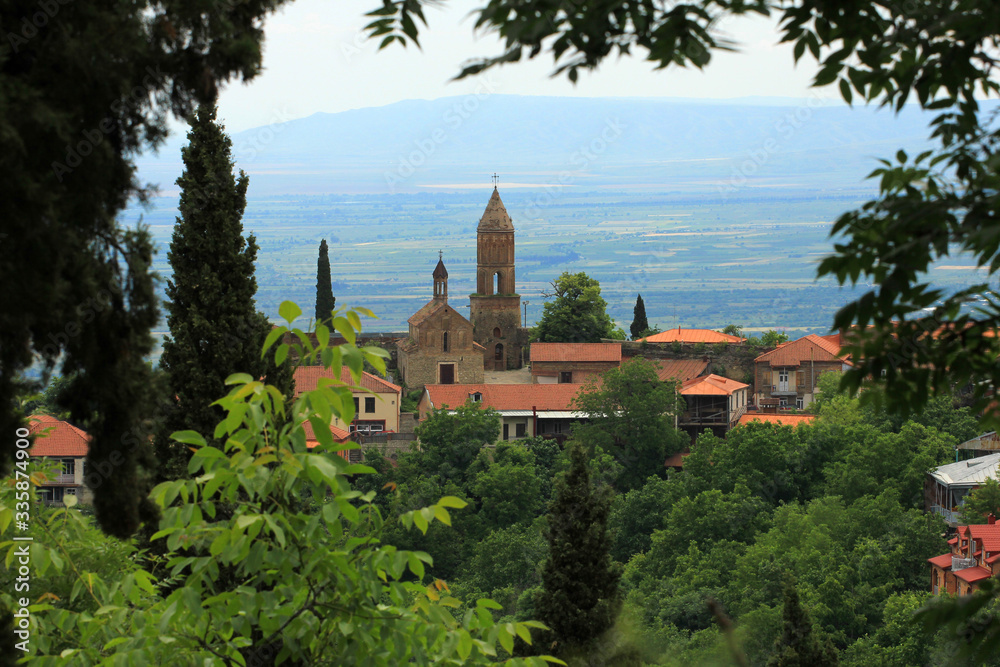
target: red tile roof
<point>543,397</point>
<point>943,561</point>
<point>691,336</point>
<point>63,440</point>
<point>711,385</point>
<point>785,420</point>
<point>680,369</point>
<point>576,352</point>
<point>677,460</point>
<point>339,435</point>
<point>988,533</point>
<point>804,350</point>
<point>307,379</point>
<point>973,574</point>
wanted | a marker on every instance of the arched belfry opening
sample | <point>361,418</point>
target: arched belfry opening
<point>498,353</point>
<point>498,283</point>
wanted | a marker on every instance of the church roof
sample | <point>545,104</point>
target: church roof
<point>439,270</point>
<point>495,218</point>
<point>426,311</point>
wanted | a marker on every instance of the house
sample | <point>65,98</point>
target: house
<point>440,348</point>
<point>679,335</point>
<point>713,402</point>
<point>572,363</point>
<point>525,410</point>
<point>946,487</point>
<point>788,375</point>
<point>974,557</point>
<point>67,444</point>
<point>376,401</point>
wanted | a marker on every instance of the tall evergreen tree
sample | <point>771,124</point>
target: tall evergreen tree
<point>798,645</point>
<point>215,328</point>
<point>639,321</point>
<point>579,598</point>
<point>325,301</point>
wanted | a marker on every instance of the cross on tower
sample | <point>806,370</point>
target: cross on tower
<point>496,179</point>
<point>440,255</point>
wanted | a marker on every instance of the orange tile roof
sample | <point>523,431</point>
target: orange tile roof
<point>543,397</point>
<point>677,460</point>
<point>943,561</point>
<point>711,385</point>
<point>803,350</point>
<point>307,379</point>
<point>576,352</point>
<point>63,440</point>
<point>988,533</point>
<point>339,435</point>
<point>973,574</point>
<point>769,418</point>
<point>691,336</point>
<point>680,369</point>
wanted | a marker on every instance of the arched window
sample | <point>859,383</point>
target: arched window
<point>497,333</point>
<point>496,278</point>
<point>498,352</point>
<point>444,342</point>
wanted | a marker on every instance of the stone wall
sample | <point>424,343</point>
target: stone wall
<point>731,361</point>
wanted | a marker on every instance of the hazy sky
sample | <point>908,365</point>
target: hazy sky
<point>317,59</point>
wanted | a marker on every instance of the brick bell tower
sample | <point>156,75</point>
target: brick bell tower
<point>496,306</point>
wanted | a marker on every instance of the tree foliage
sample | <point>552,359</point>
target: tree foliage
<point>576,314</point>
<point>799,646</point>
<point>325,301</point>
<point>982,502</point>
<point>314,585</point>
<point>450,440</point>
<point>639,322</point>
<point>579,598</point>
<point>215,328</point>
<point>83,94</point>
<point>630,414</point>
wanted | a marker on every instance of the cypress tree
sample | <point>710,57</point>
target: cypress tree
<point>579,598</point>
<point>325,301</point>
<point>798,645</point>
<point>215,328</point>
<point>639,322</point>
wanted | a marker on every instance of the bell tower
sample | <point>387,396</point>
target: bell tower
<point>496,306</point>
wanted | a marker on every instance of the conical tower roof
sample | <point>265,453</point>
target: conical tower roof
<point>495,218</point>
<point>439,270</point>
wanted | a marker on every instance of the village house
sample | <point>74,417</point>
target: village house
<point>712,402</point>
<point>946,487</point>
<point>66,444</point>
<point>526,410</point>
<point>572,363</point>
<point>376,401</point>
<point>974,557</point>
<point>788,375</point>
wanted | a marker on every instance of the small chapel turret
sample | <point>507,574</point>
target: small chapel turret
<point>495,308</point>
<point>440,279</point>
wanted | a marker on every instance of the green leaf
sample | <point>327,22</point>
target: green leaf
<point>289,311</point>
<point>188,437</point>
<point>452,502</point>
<point>238,378</point>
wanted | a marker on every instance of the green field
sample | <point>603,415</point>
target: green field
<point>699,260</point>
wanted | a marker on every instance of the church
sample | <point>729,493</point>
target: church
<point>444,347</point>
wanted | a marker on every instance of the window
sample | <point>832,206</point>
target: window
<point>565,377</point>
<point>800,403</point>
<point>370,426</point>
<point>444,342</point>
<point>68,466</point>
<point>498,352</point>
<point>476,397</point>
<point>782,402</point>
<point>557,427</point>
<point>369,404</point>
<point>519,430</point>
<point>497,333</point>
<point>357,407</point>
<point>496,278</point>
<point>71,491</point>
<point>506,431</point>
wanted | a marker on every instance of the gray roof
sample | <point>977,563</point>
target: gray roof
<point>969,473</point>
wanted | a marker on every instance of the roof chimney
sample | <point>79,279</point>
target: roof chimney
<point>990,519</point>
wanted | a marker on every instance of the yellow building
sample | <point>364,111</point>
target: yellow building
<point>376,401</point>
